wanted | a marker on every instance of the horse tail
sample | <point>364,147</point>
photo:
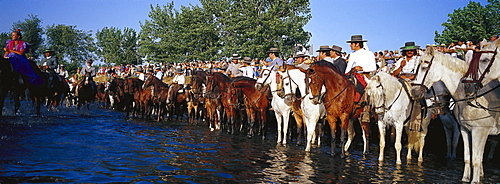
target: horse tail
<point>413,140</point>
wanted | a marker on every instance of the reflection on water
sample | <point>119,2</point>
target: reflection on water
<point>104,147</point>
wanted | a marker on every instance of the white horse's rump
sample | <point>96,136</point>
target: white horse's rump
<point>392,104</point>
<point>476,122</point>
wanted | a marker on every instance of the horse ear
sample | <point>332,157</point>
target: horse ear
<point>310,71</point>
<point>430,51</point>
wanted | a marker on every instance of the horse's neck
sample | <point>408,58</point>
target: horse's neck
<point>452,80</point>
<point>298,78</point>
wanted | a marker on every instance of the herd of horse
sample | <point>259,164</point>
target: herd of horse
<point>464,96</point>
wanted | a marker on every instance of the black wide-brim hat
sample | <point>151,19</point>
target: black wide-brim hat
<point>235,57</point>
<point>410,46</point>
<point>356,38</point>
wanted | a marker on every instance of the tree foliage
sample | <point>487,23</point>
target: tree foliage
<point>117,46</point>
<point>31,30</point>
<point>472,22</point>
<point>219,28</point>
<point>70,44</point>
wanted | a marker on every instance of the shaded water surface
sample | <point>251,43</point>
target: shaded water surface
<point>101,146</point>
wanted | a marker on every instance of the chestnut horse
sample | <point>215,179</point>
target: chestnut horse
<point>338,99</point>
<point>159,94</point>
<point>257,105</point>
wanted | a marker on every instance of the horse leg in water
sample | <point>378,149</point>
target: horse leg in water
<point>344,126</point>
<point>450,126</point>
<point>382,128</point>
<point>332,121</point>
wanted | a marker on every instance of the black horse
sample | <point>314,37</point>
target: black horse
<point>86,90</point>
<point>10,81</point>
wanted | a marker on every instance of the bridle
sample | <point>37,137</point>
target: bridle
<point>394,101</point>
<point>319,95</point>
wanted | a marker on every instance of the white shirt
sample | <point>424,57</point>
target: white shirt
<point>410,67</point>
<point>248,71</point>
<point>180,79</point>
<point>363,58</point>
<point>142,77</point>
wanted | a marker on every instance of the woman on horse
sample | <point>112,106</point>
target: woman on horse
<point>15,51</point>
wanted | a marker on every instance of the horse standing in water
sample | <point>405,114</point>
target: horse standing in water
<point>195,99</point>
<point>256,103</point>
<point>9,81</point>
<point>281,109</point>
<point>302,106</point>
<point>476,110</point>
<point>338,99</point>
<point>159,94</point>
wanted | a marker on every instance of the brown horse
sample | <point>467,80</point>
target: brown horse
<point>216,84</point>
<point>257,105</point>
<point>195,99</point>
<point>133,87</point>
<point>176,101</point>
<point>160,94</point>
<point>338,99</point>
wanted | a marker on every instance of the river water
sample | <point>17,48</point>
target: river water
<point>102,146</point>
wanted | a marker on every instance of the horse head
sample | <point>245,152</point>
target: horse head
<point>315,84</point>
<point>287,86</point>
<point>375,91</point>
<point>279,85</point>
<point>264,79</point>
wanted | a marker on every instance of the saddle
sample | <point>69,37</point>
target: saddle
<point>359,81</point>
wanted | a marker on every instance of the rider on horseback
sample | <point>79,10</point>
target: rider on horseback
<point>15,51</point>
<point>50,64</point>
<point>89,73</point>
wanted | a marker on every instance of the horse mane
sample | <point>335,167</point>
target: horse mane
<point>450,62</point>
<point>390,84</point>
<point>324,63</point>
<point>240,78</point>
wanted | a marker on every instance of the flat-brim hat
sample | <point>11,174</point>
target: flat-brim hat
<point>273,50</point>
<point>336,48</point>
<point>299,54</point>
<point>410,46</point>
<point>356,38</point>
<point>178,70</point>
<point>90,61</point>
<point>235,57</point>
<point>48,50</point>
<point>324,48</point>
<point>247,60</point>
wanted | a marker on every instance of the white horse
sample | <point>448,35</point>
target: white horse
<point>393,106</point>
<point>281,109</point>
<point>492,49</point>
<point>293,79</point>
<point>476,123</point>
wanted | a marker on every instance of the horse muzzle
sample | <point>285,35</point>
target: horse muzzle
<point>315,100</point>
<point>289,99</point>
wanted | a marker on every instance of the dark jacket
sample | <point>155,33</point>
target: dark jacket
<point>340,64</point>
<point>52,63</point>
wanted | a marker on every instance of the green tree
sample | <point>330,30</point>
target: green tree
<point>157,39</point>
<point>73,47</point>
<point>32,31</point>
<point>472,22</point>
<point>117,46</point>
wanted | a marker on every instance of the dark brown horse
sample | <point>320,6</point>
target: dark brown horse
<point>160,94</point>
<point>85,92</point>
<point>133,87</point>
<point>338,99</point>
<point>257,105</point>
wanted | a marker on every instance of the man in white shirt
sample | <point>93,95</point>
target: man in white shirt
<point>361,60</point>
<point>159,73</point>
<point>233,68</point>
<point>406,67</point>
<point>179,77</point>
<point>246,68</point>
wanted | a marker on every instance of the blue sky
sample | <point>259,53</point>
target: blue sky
<point>386,24</point>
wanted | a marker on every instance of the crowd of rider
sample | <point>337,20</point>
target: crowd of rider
<point>360,60</point>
